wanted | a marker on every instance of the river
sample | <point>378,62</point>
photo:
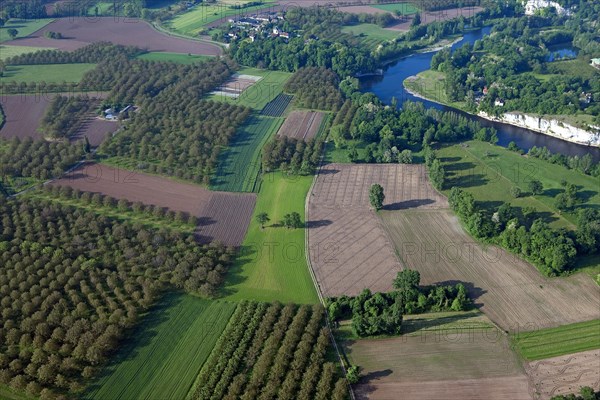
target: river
<point>390,85</point>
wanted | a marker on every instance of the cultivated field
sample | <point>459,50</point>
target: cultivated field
<point>349,249</point>
<point>239,164</point>
<point>95,129</point>
<point>236,85</point>
<point>436,16</point>
<point>23,114</point>
<point>564,374</point>
<point>439,365</point>
<point>301,124</point>
<point>277,106</point>
<point>510,291</point>
<point>222,216</point>
<point>165,354</point>
<point>79,32</point>
<point>12,51</point>
<point>178,58</point>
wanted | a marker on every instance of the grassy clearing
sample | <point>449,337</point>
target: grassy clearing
<point>272,264</point>
<point>194,20</point>
<point>430,84</point>
<point>145,219</point>
<point>589,265</point>
<point>403,8</point>
<point>239,164</point>
<point>490,171</point>
<point>566,339</point>
<point>178,58</point>
<point>7,393</point>
<point>53,73</point>
<point>258,95</point>
<point>163,358</point>
<point>572,68</point>
<point>371,34</point>
<point>12,51</point>
<point>24,27</point>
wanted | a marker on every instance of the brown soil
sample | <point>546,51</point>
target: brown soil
<point>95,129</point>
<point>81,31</point>
<point>222,216</point>
<point>301,125</point>
<point>435,16</point>
<point>23,114</point>
<point>565,374</point>
<point>348,247</point>
<point>439,365</point>
<point>510,291</point>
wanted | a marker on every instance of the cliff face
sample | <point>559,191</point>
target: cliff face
<point>550,127</point>
<point>531,6</point>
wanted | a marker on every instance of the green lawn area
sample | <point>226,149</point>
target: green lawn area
<point>24,27</point>
<point>490,177</point>
<point>566,339</point>
<point>262,92</point>
<point>11,51</point>
<point>192,21</point>
<point>572,68</point>
<point>103,8</point>
<point>430,84</point>
<point>134,217</point>
<point>370,34</point>
<point>163,357</point>
<point>179,58</point>
<point>404,8</point>
<point>239,164</point>
<point>7,393</point>
<point>272,264</point>
<point>52,73</point>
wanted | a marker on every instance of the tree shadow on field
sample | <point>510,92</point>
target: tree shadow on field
<point>416,325</point>
<point>459,166</point>
<point>473,291</point>
<point>328,171</point>
<point>403,205</point>
<point>140,337</point>
<point>450,159</point>
<point>465,181</point>
<point>246,254</point>
<point>318,224</point>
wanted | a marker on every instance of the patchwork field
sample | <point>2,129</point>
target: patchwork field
<point>239,164</point>
<point>164,356</point>
<point>53,73</point>
<point>511,292</point>
<point>272,263</point>
<point>277,106</point>
<point>78,32</point>
<point>222,216</point>
<point>24,27</point>
<point>349,249</point>
<point>565,374</point>
<point>301,124</point>
<point>439,365</point>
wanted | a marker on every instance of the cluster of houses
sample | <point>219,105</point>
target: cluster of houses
<point>264,24</point>
<point>480,95</point>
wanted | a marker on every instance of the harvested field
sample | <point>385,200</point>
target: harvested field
<point>439,365</point>
<point>222,216</point>
<point>23,114</point>
<point>235,86</point>
<point>510,291</point>
<point>301,125</point>
<point>95,129</point>
<point>565,374</point>
<point>79,32</point>
<point>348,247</point>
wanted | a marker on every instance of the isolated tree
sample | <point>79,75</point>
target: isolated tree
<point>376,196</point>
<point>292,220</point>
<point>86,145</point>
<point>262,219</point>
<point>417,20</point>
<point>535,186</point>
<point>515,192</point>
<point>12,32</point>
<point>407,283</point>
<point>353,374</point>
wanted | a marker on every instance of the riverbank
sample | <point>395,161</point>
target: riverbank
<point>433,91</point>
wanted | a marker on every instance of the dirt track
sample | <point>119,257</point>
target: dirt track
<point>222,216</point>
<point>348,247</point>
<point>81,31</point>
<point>565,374</point>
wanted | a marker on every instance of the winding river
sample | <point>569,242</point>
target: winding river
<point>390,85</point>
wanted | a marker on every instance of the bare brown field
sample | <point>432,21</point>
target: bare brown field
<point>95,129</point>
<point>81,31</point>
<point>23,114</point>
<point>365,9</point>
<point>510,291</point>
<point>439,365</point>
<point>301,125</point>
<point>348,247</point>
<point>222,216</point>
<point>565,374</point>
<point>428,17</point>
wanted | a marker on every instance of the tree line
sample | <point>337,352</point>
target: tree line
<point>74,283</point>
<point>381,313</point>
<point>315,88</point>
<point>64,116</point>
<point>291,155</point>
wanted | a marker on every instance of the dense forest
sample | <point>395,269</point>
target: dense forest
<point>381,313</point>
<point>36,159</point>
<point>64,116</point>
<point>74,282</point>
<point>315,88</point>
<point>292,155</point>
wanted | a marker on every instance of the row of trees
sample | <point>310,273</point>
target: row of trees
<point>584,164</point>
<point>271,351</point>
<point>36,159</point>
<point>92,53</point>
<point>294,156</point>
<point>381,313</point>
<point>64,116</point>
<point>315,88</point>
<point>73,282</point>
